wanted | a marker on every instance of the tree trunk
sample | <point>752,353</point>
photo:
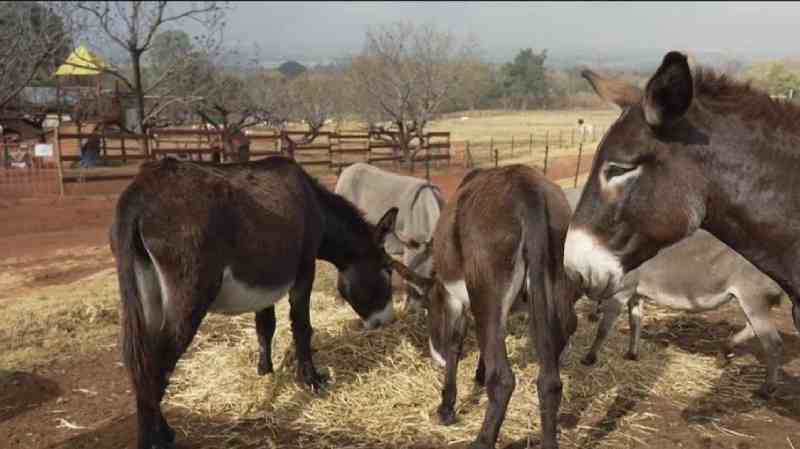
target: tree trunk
<point>136,57</point>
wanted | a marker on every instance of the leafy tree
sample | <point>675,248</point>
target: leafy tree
<point>523,81</point>
<point>291,69</point>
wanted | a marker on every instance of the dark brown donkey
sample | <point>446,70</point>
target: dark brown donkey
<point>195,238</point>
<point>694,150</point>
<point>502,233</point>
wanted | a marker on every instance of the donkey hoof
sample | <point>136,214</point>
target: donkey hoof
<point>316,382</point>
<point>631,356</point>
<point>589,360</point>
<point>447,416</point>
<point>766,391</point>
<point>265,368</point>
<point>169,435</point>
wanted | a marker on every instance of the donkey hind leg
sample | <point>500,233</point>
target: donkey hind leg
<point>796,316</point>
<point>480,372</point>
<point>756,311</point>
<point>265,329</point>
<point>180,324</point>
<point>611,309</point>
<point>455,344</point>
<point>500,380</point>
<point>300,315</point>
<point>635,323</point>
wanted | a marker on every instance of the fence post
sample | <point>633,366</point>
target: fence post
<point>546,138</point>
<point>578,165</point>
<point>59,168</point>
<point>467,157</point>
<point>496,158</point>
<point>122,145</point>
<point>530,144</point>
<point>512,146</point>
<point>428,165</point>
<point>572,138</point>
<point>546,154</point>
<point>491,146</point>
<point>560,142</point>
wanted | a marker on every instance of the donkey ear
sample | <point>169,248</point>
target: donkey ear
<point>385,225</point>
<point>617,92</point>
<point>669,92</point>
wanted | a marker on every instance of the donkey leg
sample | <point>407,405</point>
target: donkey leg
<point>635,320</point>
<point>300,309</point>
<point>596,312</point>
<point>611,310</point>
<point>455,343</point>
<point>480,372</point>
<point>181,324</point>
<point>265,329</point>
<point>500,381</point>
<point>738,338</point>
<point>796,316</point>
<point>757,313</point>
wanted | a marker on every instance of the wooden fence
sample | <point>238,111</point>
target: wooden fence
<point>121,153</point>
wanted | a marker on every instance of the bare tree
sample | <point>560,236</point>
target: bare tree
<point>34,37</point>
<point>132,27</point>
<point>240,98</point>
<point>313,99</point>
<point>405,73</point>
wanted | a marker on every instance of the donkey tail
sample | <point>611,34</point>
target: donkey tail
<point>551,294</point>
<point>136,343</point>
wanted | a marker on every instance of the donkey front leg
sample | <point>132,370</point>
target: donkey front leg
<point>635,323</point>
<point>756,311</point>
<point>265,329</point>
<point>455,344</point>
<point>611,309</point>
<point>299,312</point>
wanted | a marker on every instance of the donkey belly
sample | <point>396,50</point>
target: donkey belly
<point>688,301</point>
<point>236,297</point>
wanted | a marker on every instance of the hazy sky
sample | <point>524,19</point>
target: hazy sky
<point>332,29</point>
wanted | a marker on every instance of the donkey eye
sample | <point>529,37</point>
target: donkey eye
<point>614,169</point>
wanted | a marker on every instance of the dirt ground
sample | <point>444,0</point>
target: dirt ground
<point>84,401</point>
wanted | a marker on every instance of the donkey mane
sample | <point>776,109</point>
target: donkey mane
<point>349,215</point>
<point>722,94</point>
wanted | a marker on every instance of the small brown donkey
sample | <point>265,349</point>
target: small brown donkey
<point>503,233</point>
<point>196,238</point>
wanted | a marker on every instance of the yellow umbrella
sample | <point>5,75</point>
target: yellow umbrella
<point>82,62</point>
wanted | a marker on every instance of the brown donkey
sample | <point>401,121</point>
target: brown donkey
<point>502,234</point>
<point>195,238</point>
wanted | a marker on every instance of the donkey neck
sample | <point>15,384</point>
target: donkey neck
<point>346,235</point>
<point>754,194</point>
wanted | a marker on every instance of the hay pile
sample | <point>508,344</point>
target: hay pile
<point>384,390</point>
<point>57,322</point>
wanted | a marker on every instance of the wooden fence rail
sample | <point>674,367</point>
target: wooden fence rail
<point>120,153</point>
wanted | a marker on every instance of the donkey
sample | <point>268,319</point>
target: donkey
<point>503,232</point>
<point>693,150</point>
<point>697,274</point>
<point>189,239</point>
<point>419,203</point>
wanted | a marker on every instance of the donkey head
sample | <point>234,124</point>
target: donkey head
<point>646,189</point>
<point>366,283</point>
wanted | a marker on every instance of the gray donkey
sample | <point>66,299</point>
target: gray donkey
<point>697,274</point>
